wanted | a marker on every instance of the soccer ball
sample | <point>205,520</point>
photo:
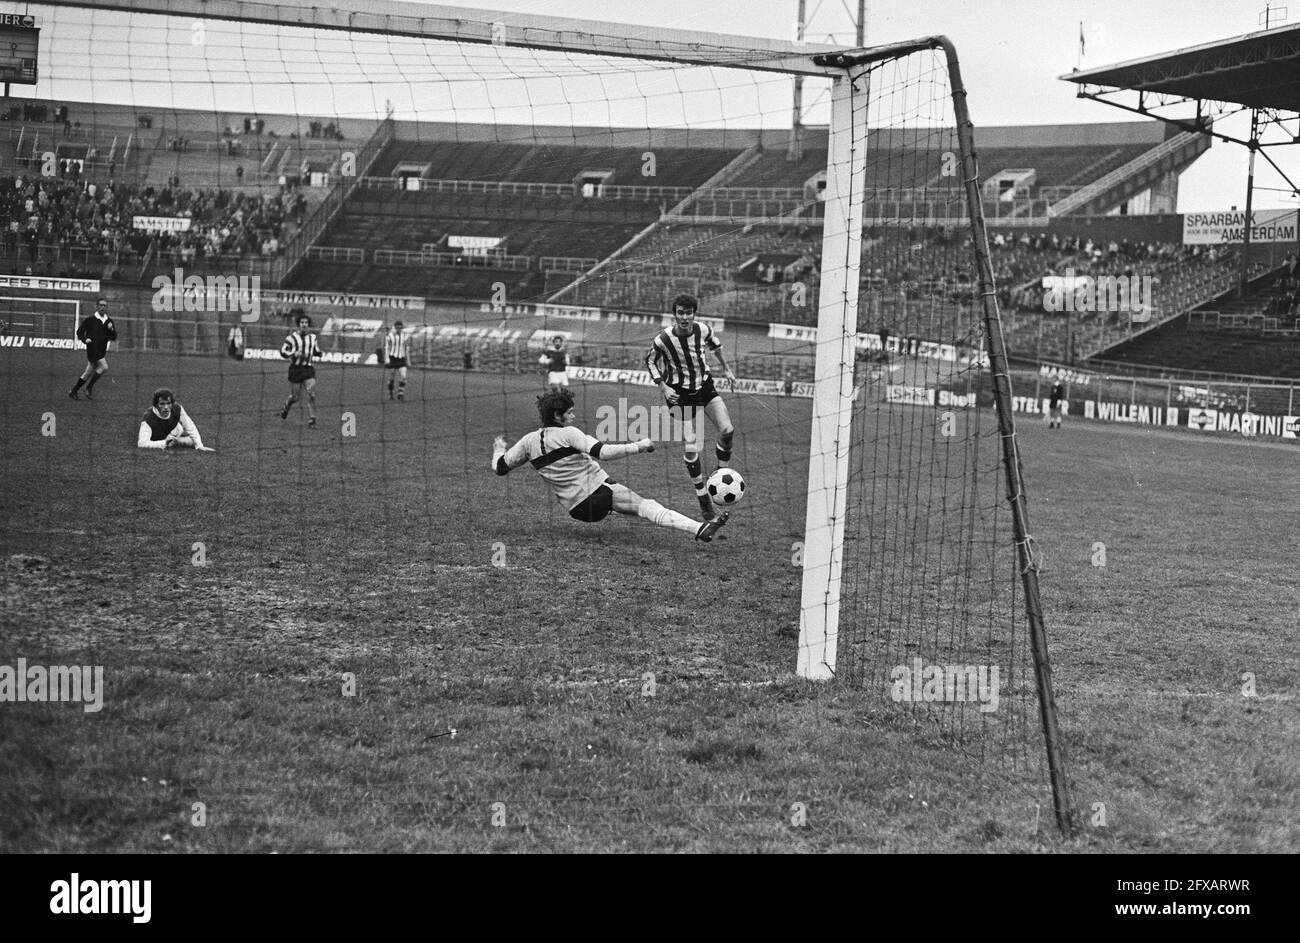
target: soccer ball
<point>726,486</point>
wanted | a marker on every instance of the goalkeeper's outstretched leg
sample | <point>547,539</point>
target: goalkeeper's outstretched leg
<point>627,501</point>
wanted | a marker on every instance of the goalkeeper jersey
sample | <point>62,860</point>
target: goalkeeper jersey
<point>566,457</point>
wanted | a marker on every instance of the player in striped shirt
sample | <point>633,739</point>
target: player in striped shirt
<point>566,456</point>
<point>678,364</point>
<point>395,359</point>
<point>300,349</point>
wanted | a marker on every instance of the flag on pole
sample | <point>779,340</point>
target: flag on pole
<point>1081,40</point>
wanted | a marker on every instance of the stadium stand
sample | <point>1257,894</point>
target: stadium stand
<point>80,227</point>
<point>486,160</point>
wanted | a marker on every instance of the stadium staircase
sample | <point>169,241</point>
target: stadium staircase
<point>1184,346</point>
<point>1133,177</point>
<point>1184,286</point>
<point>324,212</point>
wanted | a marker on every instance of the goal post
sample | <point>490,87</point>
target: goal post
<point>837,319</point>
<point>39,317</point>
<point>1001,633</point>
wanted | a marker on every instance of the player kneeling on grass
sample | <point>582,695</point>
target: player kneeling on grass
<point>168,426</point>
<point>566,457</point>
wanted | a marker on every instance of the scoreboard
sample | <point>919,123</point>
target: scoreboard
<point>19,40</point>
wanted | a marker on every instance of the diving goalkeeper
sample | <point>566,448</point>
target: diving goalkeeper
<point>566,457</point>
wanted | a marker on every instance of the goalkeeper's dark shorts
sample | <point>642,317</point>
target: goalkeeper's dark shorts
<point>301,374</point>
<point>595,506</point>
<point>706,394</point>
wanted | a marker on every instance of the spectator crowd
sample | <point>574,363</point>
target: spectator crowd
<point>41,214</point>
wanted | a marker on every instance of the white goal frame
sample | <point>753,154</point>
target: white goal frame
<point>7,299</point>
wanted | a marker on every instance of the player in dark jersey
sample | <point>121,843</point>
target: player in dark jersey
<point>557,365</point>
<point>168,426</point>
<point>96,331</point>
<point>565,457</point>
<point>1054,406</point>
<point>678,364</point>
<point>300,349</point>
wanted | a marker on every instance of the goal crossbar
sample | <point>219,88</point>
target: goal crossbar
<point>500,28</point>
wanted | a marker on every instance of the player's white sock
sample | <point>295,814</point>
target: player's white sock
<point>656,513</point>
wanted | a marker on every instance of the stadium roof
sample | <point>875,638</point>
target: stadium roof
<point>1258,70</point>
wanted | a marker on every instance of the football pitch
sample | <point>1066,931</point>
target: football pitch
<point>356,638</point>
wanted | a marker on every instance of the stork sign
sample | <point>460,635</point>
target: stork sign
<point>20,37</point>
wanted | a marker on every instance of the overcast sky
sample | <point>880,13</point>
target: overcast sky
<point>1012,53</point>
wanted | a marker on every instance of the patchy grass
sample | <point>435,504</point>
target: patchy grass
<point>615,687</point>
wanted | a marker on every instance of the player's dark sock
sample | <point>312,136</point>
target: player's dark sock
<point>390,389</point>
<point>93,380</point>
<point>401,389</point>
<point>81,381</point>
<point>723,448</point>
<point>695,468</point>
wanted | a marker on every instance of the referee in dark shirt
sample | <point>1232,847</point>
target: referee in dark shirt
<point>96,332</point>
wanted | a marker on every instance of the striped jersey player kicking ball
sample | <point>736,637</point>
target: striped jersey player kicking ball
<point>678,365</point>
<point>566,457</point>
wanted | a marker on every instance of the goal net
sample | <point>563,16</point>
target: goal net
<point>526,196</point>
<point>40,318</point>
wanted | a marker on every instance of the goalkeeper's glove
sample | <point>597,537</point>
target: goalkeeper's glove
<point>644,445</point>
<point>499,447</point>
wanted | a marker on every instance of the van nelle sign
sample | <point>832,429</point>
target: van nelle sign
<point>1201,229</point>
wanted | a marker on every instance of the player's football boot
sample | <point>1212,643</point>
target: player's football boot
<point>73,394</point>
<point>88,394</point>
<point>311,423</point>
<point>284,413</point>
<point>709,528</point>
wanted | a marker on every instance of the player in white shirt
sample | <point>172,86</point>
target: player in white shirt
<point>168,426</point>
<point>566,456</point>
